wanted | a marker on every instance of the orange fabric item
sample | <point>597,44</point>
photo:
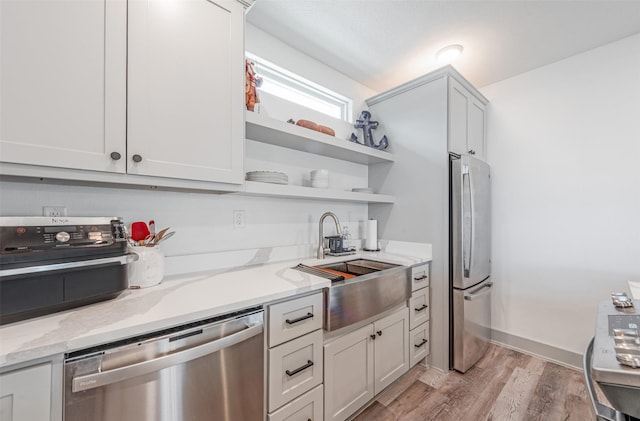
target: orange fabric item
<point>336,272</point>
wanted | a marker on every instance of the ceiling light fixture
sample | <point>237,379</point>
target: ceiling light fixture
<point>449,53</point>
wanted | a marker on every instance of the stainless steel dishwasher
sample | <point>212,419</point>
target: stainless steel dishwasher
<point>208,370</point>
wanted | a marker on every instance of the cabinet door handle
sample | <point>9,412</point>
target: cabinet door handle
<point>373,337</point>
<point>136,158</point>
<point>299,369</point>
<point>472,152</point>
<point>115,156</point>
<point>420,278</point>
<point>379,333</point>
<point>299,319</point>
<point>421,308</point>
<point>424,341</point>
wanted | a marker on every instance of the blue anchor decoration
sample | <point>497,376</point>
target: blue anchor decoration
<point>365,123</point>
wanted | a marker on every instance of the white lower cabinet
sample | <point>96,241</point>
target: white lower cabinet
<point>419,343</point>
<point>307,407</point>
<point>418,308</point>
<point>419,315</point>
<point>25,394</point>
<point>391,350</point>
<point>360,364</point>
<point>295,361</point>
<point>294,368</point>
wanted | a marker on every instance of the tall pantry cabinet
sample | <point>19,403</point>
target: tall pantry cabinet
<point>143,88</point>
<point>426,119</point>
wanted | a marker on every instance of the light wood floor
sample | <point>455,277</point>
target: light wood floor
<point>503,385</point>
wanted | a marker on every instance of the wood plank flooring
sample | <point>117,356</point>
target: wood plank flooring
<point>503,385</point>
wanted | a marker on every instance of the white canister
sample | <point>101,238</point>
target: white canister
<point>148,270</point>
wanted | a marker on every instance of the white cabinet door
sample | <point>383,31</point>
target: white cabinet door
<point>63,83</point>
<point>418,308</point>
<point>25,394</point>
<point>186,89</point>
<point>419,343</point>
<point>477,129</point>
<point>348,375</point>
<point>458,117</point>
<point>467,130</point>
<point>420,277</point>
<point>391,348</point>
<point>306,407</point>
<point>293,318</point>
<point>294,368</point>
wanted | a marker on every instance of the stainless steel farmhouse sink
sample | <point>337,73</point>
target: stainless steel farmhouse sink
<point>375,287</point>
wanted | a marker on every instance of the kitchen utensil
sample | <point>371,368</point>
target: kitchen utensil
<point>139,232</point>
<point>157,237</point>
<point>165,237</point>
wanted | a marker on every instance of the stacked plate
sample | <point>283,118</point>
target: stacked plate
<point>268,177</point>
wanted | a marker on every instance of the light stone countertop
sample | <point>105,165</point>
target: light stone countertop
<point>179,299</point>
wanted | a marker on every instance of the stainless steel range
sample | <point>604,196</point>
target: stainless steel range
<point>52,264</point>
<point>604,363</point>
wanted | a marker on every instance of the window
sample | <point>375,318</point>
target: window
<point>287,85</point>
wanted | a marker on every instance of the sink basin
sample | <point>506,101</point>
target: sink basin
<point>376,287</point>
<point>359,267</point>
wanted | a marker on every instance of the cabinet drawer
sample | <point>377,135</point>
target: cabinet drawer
<point>419,343</point>
<point>418,308</point>
<point>294,368</point>
<point>306,407</point>
<point>419,277</point>
<point>294,318</point>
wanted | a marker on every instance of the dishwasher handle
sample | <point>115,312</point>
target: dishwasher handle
<point>92,381</point>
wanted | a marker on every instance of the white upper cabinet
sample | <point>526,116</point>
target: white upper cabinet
<point>467,117</point>
<point>186,89</point>
<point>139,87</point>
<point>63,83</point>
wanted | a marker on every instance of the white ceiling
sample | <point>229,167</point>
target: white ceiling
<point>382,43</point>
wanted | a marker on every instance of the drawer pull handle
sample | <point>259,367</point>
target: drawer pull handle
<point>420,278</point>
<point>299,319</point>
<point>424,341</point>
<point>421,308</point>
<point>297,370</point>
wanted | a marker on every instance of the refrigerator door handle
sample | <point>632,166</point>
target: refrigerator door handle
<point>467,224</point>
<point>472,295</point>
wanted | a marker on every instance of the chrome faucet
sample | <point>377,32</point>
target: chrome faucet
<point>321,236</point>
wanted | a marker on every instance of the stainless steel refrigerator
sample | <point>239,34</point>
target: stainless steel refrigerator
<point>470,260</point>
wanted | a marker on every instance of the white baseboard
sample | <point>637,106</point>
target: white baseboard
<point>537,349</point>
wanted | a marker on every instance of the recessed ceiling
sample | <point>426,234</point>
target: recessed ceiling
<point>382,43</point>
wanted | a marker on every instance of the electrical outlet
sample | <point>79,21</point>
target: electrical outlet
<point>239,219</point>
<point>54,211</point>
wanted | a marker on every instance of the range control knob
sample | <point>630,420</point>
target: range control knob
<point>63,236</point>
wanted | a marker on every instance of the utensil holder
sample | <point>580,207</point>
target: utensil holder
<point>148,270</point>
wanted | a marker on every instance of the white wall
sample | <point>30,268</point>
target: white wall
<point>564,146</point>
